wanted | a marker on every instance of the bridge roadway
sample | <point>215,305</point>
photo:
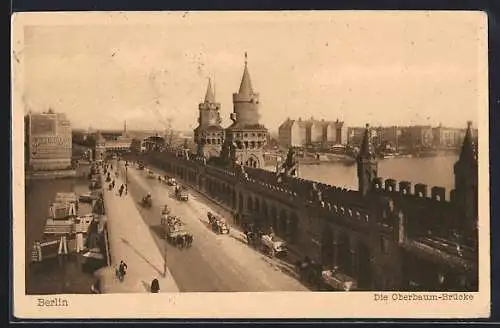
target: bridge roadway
<point>222,263</point>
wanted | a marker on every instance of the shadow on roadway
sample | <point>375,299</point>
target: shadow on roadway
<point>158,230</point>
<point>146,286</point>
<point>142,256</point>
<point>240,239</point>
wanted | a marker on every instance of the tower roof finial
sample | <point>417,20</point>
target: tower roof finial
<point>246,58</point>
<point>246,83</point>
<point>209,96</point>
<point>467,152</point>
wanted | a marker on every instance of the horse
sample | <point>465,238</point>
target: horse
<point>178,241</point>
<point>189,240</point>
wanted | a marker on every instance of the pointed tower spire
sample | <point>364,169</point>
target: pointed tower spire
<point>367,164</point>
<point>467,154</point>
<point>125,126</point>
<point>209,96</point>
<point>246,83</point>
<point>366,149</point>
<point>465,195</point>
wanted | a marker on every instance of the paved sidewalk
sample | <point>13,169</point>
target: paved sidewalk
<point>130,240</point>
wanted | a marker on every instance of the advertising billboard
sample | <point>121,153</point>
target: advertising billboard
<point>47,141</point>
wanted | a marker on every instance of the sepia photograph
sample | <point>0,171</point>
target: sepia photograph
<point>250,164</point>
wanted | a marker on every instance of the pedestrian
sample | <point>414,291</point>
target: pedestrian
<point>122,270</point>
<point>96,287</point>
<point>155,286</point>
<point>113,184</point>
<point>126,189</point>
<point>120,191</point>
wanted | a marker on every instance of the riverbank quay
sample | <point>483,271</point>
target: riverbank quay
<point>130,240</point>
<point>56,274</point>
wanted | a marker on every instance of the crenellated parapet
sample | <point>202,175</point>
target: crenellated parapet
<point>404,188</point>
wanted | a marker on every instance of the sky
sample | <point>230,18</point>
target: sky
<point>382,68</point>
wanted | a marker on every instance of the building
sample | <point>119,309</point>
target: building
<point>119,143</point>
<point>292,133</point>
<point>245,137</point>
<point>390,136</point>
<point>446,137</point>
<point>314,132</point>
<point>209,134</point>
<point>110,142</point>
<point>301,133</point>
<point>420,136</point>
<point>334,133</point>
<point>355,136</point>
<point>49,141</point>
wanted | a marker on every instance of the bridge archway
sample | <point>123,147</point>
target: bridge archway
<point>252,161</point>
<point>241,206</point>
<point>249,203</point>
<point>344,253</point>
<point>365,271</point>
<point>294,227</point>
<point>283,223</point>
<point>234,199</point>
<point>257,205</point>
<point>274,218</point>
<point>265,213</point>
<point>327,248</point>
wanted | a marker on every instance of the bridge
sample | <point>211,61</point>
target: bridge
<point>369,238</point>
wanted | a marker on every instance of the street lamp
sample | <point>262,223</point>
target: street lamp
<point>165,248</point>
<point>126,173</point>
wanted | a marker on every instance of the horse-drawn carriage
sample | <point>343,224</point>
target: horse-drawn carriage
<point>147,202</point>
<point>171,182</point>
<point>272,245</point>
<point>150,174</point>
<point>218,224</point>
<point>176,232</point>
<point>267,243</point>
<point>181,193</point>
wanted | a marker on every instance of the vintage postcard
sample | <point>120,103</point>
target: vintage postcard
<point>314,164</point>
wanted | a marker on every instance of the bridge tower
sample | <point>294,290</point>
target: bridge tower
<point>245,137</point>
<point>209,134</point>
<point>466,192</point>
<point>367,164</point>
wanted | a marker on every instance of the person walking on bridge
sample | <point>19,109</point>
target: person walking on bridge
<point>121,271</point>
<point>155,286</point>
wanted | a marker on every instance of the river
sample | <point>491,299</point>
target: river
<point>433,171</point>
